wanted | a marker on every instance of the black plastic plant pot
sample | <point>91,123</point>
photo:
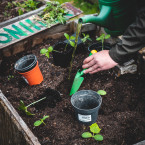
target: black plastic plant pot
<point>98,46</point>
<point>86,104</point>
<point>60,57</point>
<point>26,63</point>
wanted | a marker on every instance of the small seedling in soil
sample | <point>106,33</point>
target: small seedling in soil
<point>10,77</point>
<point>24,108</point>
<point>94,133</point>
<point>101,92</point>
<point>39,122</point>
<point>86,37</point>
<point>102,38</point>
<point>46,52</point>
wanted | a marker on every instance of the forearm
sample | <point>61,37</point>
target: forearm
<point>132,41</point>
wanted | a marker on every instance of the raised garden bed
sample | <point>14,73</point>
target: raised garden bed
<point>121,116</point>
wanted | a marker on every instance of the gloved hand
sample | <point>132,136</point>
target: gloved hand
<point>98,62</point>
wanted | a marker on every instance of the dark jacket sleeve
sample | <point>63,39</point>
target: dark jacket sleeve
<point>132,40</point>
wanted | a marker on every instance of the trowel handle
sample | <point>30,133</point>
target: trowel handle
<point>92,52</point>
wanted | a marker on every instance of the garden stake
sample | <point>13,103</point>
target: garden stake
<point>78,78</point>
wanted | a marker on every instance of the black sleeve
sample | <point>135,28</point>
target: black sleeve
<point>132,40</point>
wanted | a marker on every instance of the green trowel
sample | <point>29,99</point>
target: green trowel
<point>78,78</point>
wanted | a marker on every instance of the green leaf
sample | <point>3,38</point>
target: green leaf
<point>43,51</point>
<point>47,54</point>
<point>45,117</point>
<point>29,113</point>
<point>72,38</point>
<point>95,128</point>
<point>22,106</point>
<point>86,135</point>
<point>98,39</point>
<point>98,137</point>
<point>107,36</point>
<point>37,123</point>
<point>50,49</point>
<point>101,92</point>
<point>66,36</point>
<point>72,43</point>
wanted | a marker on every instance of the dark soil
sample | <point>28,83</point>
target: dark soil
<point>9,10</point>
<point>121,116</point>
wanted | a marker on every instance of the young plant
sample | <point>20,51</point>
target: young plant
<point>102,38</point>
<point>46,52</point>
<point>75,46</point>
<point>86,37</point>
<point>94,133</point>
<point>70,40</point>
<point>39,122</point>
<point>24,108</point>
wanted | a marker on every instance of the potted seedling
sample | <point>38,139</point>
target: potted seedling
<point>39,122</point>
<point>94,133</point>
<point>24,108</point>
<point>101,44</point>
<point>80,43</point>
<point>61,52</point>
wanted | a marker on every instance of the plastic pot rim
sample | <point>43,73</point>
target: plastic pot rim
<point>28,67</point>
<point>87,109</point>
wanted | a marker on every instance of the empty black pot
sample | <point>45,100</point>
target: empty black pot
<point>98,46</point>
<point>60,57</point>
<point>86,104</point>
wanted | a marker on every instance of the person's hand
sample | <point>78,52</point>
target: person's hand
<point>98,62</point>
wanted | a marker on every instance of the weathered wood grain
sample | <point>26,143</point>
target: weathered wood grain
<point>13,130</point>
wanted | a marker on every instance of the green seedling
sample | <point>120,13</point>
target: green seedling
<point>94,133</point>
<point>101,92</point>
<point>46,52</point>
<point>70,40</point>
<point>86,37</point>
<point>24,108</point>
<point>102,38</point>
<point>10,77</point>
<point>39,122</point>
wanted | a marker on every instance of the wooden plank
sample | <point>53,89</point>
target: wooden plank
<point>13,130</point>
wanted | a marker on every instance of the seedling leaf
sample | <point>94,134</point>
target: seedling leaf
<point>37,123</point>
<point>45,117</point>
<point>66,36</point>
<point>86,135</point>
<point>101,92</point>
<point>95,128</point>
<point>98,137</point>
<point>98,39</point>
<point>72,43</point>
<point>50,49</point>
<point>43,51</point>
<point>72,38</point>
<point>22,106</point>
<point>107,36</point>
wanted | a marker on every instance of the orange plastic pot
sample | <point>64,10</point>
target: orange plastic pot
<point>34,76</point>
<point>28,67</point>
